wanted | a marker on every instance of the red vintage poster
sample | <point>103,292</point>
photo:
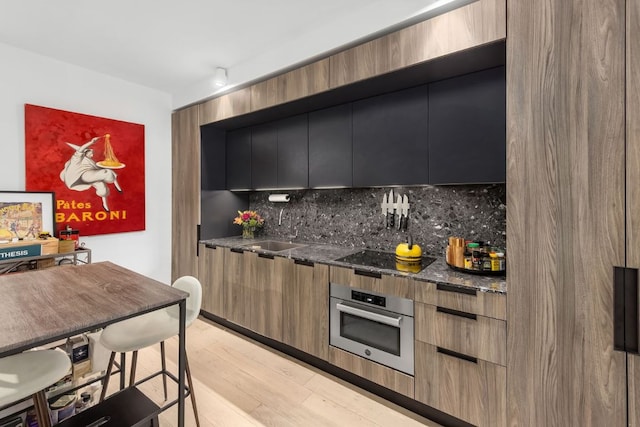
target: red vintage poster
<point>94,165</point>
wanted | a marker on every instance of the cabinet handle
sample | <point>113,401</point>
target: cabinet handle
<point>210,246</point>
<point>268,256</point>
<point>197,240</point>
<point>456,313</point>
<point>457,355</point>
<point>456,289</point>
<point>368,273</point>
<point>237,250</point>
<point>625,310</point>
<point>304,262</point>
<point>365,314</point>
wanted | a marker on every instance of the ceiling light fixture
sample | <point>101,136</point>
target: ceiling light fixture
<point>220,77</point>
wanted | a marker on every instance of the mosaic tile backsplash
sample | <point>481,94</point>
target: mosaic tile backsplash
<point>353,217</point>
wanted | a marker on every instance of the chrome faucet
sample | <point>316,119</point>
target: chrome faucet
<point>280,217</point>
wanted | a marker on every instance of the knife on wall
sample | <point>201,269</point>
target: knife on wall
<point>399,211</point>
<point>405,213</point>
<point>390,210</point>
<point>385,207</point>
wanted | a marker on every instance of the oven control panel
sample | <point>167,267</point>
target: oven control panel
<point>368,298</point>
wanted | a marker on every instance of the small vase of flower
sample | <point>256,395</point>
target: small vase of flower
<point>250,222</point>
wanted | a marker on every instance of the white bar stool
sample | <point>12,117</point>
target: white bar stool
<point>28,374</point>
<point>153,328</point>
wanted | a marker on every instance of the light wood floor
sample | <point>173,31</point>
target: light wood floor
<point>239,382</point>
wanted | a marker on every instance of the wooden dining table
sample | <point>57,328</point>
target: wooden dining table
<point>42,306</point>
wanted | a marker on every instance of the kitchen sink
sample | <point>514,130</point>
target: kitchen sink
<point>273,245</point>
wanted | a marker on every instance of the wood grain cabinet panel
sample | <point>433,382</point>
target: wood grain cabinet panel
<point>474,391</point>
<point>304,81</point>
<point>305,306</point>
<point>383,283</point>
<point>466,333</point>
<point>229,105</point>
<point>264,94</point>
<point>490,304</point>
<point>265,288</point>
<point>237,294</point>
<point>211,275</point>
<point>185,188</point>
<point>374,372</point>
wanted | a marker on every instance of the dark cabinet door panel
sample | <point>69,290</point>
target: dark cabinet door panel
<point>264,156</point>
<point>238,159</point>
<point>330,147</point>
<point>467,128</point>
<point>390,139</point>
<point>293,152</point>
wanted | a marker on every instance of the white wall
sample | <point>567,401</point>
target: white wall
<point>34,79</point>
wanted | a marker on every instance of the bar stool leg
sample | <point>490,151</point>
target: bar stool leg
<point>42,409</point>
<point>164,369</point>
<point>134,363</point>
<point>193,396</point>
<point>107,376</point>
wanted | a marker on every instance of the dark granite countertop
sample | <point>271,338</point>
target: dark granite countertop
<point>437,272</point>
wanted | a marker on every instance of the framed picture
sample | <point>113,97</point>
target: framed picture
<point>24,214</point>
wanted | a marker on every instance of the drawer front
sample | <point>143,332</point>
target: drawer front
<point>478,336</point>
<point>470,300</point>
<point>474,391</point>
<point>370,281</point>
<point>374,372</point>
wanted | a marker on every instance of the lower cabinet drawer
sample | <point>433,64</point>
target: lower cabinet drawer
<point>467,333</point>
<point>374,372</point>
<point>472,390</point>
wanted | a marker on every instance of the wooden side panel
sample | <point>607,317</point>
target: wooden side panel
<point>229,105</point>
<point>483,337</point>
<point>387,284</point>
<point>236,292</point>
<point>379,374</point>
<point>211,275</point>
<point>473,392</point>
<point>306,307</point>
<point>633,181</point>
<point>266,297</point>
<point>185,191</point>
<point>565,193</point>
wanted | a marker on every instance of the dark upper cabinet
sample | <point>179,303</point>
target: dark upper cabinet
<point>264,156</point>
<point>293,152</point>
<point>330,147</point>
<point>390,144</point>
<point>238,145</point>
<point>467,128</point>
<point>213,159</point>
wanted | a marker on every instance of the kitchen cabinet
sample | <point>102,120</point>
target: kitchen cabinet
<point>238,159</point>
<point>237,294</point>
<point>213,159</point>
<point>381,283</point>
<point>211,276</point>
<point>264,156</point>
<point>330,147</point>
<point>293,152</point>
<point>223,107</point>
<point>467,134</point>
<point>185,188</point>
<point>264,283</point>
<point>305,319</point>
<point>390,144</point>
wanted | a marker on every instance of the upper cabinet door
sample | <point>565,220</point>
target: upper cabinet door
<point>264,156</point>
<point>293,152</point>
<point>390,139</point>
<point>330,147</point>
<point>239,159</point>
<point>467,129</point>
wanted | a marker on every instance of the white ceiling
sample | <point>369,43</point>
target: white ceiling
<point>174,46</point>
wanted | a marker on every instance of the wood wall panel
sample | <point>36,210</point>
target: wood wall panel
<point>185,191</point>
<point>565,193</point>
<point>264,94</point>
<point>633,181</point>
<point>304,81</point>
<point>229,105</point>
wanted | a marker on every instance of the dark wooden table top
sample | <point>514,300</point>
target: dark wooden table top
<point>42,306</point>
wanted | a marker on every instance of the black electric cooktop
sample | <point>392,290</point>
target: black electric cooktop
<point>378,259</point>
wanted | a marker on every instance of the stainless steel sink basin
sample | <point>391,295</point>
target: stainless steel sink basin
<point>273,245</point>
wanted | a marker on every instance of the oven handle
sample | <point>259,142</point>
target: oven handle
<point>393,321</point>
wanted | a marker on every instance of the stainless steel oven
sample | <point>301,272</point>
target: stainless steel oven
<point>375,326</point>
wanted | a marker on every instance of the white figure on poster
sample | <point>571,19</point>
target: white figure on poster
<point>82,172</point>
